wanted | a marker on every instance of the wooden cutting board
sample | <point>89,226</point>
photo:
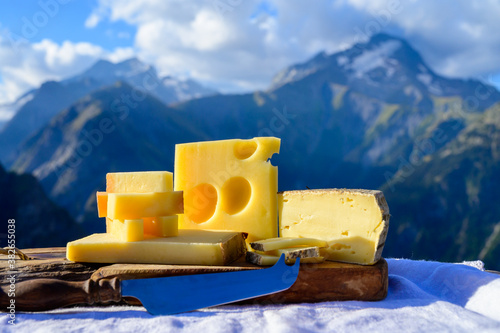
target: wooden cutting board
<point>329,281</point>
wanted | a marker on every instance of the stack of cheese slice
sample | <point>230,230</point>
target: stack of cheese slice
<point>138,203</point>
<point>142,226</point>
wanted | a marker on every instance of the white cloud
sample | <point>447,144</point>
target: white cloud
<point>239,45</point>
<point>456,38</point>
<point>92,21</point>
<point>28,65</point>
<point>230,47</point>
<point>230,43</point>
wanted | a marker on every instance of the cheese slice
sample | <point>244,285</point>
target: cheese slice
<point>229,185</point>
<point>127,230</point>
<point>267,260</point>
<point>139,182</point>
<point>353,222</point>
<point>102,204</point>
<point>297,252</point>
<point>123,206</point>
<point>162,226</point>
<point>285,242</point>
<point>191,247</point>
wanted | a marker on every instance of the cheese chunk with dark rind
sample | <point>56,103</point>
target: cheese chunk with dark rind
<point>354,223</point>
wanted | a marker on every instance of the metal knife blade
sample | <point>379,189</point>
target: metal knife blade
<point>177,294</point>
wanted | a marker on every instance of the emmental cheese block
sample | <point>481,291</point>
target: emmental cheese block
<point>191,247</point>
<point>229,185</point>
<point>139,182</point>
<point>353,222</point>
<point>123,206</point>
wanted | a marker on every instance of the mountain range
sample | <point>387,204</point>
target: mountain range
<point>372,116</point>
<point>38,220</point>
<point>34,109</point>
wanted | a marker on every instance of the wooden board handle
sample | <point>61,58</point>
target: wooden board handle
<point>48,294</point>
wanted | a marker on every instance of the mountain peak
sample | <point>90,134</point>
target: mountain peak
<point>383,37</point>
<point>377,59</point>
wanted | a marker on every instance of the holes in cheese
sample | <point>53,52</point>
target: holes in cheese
<point>244,149</point>
<point>236,193</point>
<point>353,222</point>
<point>229,185</point>
<point>200,202</point>
<point>123,206</point>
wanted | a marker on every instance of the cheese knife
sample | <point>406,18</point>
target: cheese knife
<point>160,296</point>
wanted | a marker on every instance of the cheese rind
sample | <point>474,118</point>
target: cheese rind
<point>267,260</point>
<point>102,204</point>
<point>123,206</point>
<point>162,226</point>
<point>353,222</point>
<point>229,185</point>
<point>139,182</point>
<point>191,247</point>
<point>285,242</point>
<point>300,252</point>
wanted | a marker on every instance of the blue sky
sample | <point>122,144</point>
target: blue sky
<point>234,45</point>
<point>67,23</point>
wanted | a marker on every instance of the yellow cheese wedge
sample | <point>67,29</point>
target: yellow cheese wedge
<point>191,247</point>
<point>123,206</point>
<point>285,242</point>
<point>102,204</point>
<point>162,226</point>
<point>139,182</point>
<point>127,230</point>
<point>229,185</point>
<point>353,222</point>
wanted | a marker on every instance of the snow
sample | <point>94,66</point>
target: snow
<point>425,79</point>
<point>342,60</point>
<point>422,68</point>
<point>374,58</point>
<point>7,111</point>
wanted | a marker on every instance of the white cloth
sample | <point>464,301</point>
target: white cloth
<point>423,296</point>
